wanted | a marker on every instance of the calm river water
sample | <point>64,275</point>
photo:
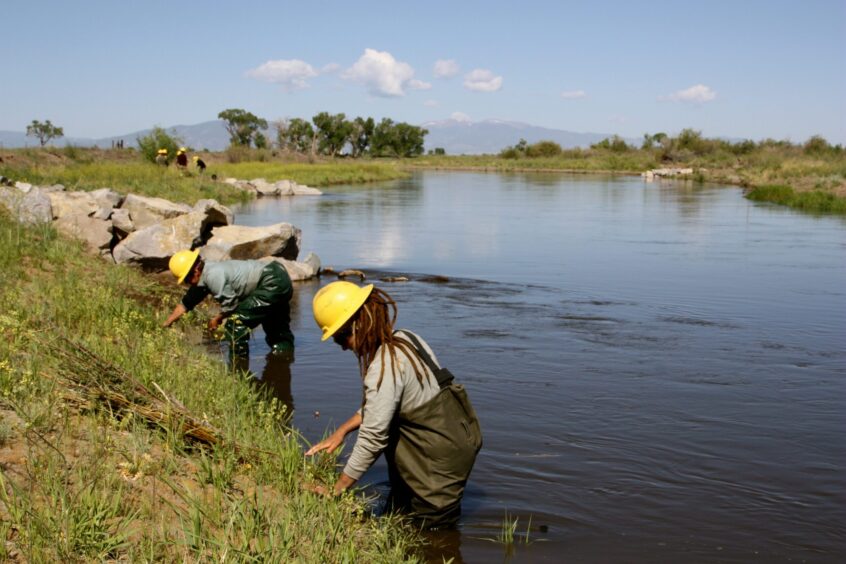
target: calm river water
<point>659,369</point>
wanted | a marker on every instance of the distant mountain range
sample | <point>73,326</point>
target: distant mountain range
<point>460,137</point>
<point>456,137</point>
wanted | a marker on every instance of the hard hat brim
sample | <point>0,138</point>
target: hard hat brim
<point>182,278</point>
<point>359,300</point>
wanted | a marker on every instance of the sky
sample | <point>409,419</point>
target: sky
<point>741,69</point>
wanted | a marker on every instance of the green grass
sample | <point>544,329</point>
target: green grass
<point>317,174</point>
<point>135,177</point>
<point>814,201</point>
<point>83,482</point>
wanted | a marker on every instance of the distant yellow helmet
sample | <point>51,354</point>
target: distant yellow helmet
<point>181,263</point>
<point>336,303</point>
<point>196,158</point>
<point>162,151</point>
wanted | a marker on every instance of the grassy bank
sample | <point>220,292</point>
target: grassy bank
<point>83,481</point>
<point>125,172</point>
<point>812,181</point>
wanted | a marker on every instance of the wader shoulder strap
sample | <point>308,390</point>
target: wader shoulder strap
<point>443,375</point>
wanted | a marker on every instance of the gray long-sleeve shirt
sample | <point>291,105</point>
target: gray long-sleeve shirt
<point>229,282</point>
<point>400,391</point>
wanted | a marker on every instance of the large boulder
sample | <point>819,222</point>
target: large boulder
<point>32,206</point>
<point>96,233</point>
<point>99,202</point>
<point>151,247</point>
<point>146,211</point>
<point>303,190</point>
<point>264,188</point>
<point>299,270</point>
<point>243,242</point>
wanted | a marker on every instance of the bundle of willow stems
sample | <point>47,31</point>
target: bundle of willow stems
<point>87,376</point>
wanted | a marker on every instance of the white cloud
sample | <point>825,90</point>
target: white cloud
<point>431,103</point>
<point>482,80</point>
<point>330,68</point>
<point>292,74</point>
<point>459,116</point>
<point>383,75</point>
<point>573,94</point>
<point>698,94</point>
<point>446,68</point>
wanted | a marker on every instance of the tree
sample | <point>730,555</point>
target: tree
<point>382,141</point>
<point>333,132</point>
<point>299,135</point>
<point>157,139</point>
<point>409,140</point>
<point>242,125</point>
<point>362,131</point>
<point>44,131</point>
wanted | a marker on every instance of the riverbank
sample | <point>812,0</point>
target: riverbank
<point>124,171</point>
<point>781,175</point>
<point>81,479</point>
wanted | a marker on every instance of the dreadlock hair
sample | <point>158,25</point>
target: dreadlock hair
<point>373,330</point>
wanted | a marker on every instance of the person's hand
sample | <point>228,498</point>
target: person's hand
<point>215,321</point>
<point>329,444</point>
<point>319,489</point>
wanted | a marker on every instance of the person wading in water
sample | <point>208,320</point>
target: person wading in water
<point>412,410</point>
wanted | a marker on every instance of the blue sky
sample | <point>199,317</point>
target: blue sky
<point>746,68</point>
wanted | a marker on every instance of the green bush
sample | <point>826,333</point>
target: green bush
<point>543,149</point>
<point>158,139</point>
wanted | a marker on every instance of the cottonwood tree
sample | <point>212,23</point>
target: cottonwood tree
<point>242,126</point>
<point>299,135</point>
<point>362,131</point>
<point>44,131</point>
<point>333,132</point>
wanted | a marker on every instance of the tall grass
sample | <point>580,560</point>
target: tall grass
<point>89,483</point>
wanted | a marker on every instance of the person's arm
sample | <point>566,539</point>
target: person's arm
<point>333,441</point>
<point>178,312</point>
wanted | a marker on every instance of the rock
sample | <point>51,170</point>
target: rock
<point>32,206</point>
<point>121,223</point>
<point>83,203</point>
<point>146,211</point>
<point>54,188</point>
<point>264,188</point>
<point>243,242</point>
<point>102,213</point>
<point>303,190</point>
<point>232,181</point>
<point>351,272</point>
<point>216,213</point>
<point>96,233</point>
<point>285,188</point>
<point>151,247</point>
<point>299,270</point>
<point>23,186</point>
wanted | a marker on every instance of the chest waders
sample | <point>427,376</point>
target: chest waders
<point>431,451</point>
<point>268,305</point>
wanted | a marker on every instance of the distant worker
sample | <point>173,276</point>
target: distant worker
<point>412,410</point>
<point>200,164</point>
<point>182,158</point>
<point>250,292</point>
<point>161,157</point>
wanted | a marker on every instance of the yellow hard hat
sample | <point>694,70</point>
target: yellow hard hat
<point>336,303</point>
<point>196,158</point>
<point>180,264</point>
<point>163,151</point>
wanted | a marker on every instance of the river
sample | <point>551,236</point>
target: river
<point>659,368</point>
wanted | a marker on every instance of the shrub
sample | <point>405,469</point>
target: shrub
<point>543,149</point>
<point>158,139</point>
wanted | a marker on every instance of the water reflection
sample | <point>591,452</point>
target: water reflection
<point>274,378</point>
